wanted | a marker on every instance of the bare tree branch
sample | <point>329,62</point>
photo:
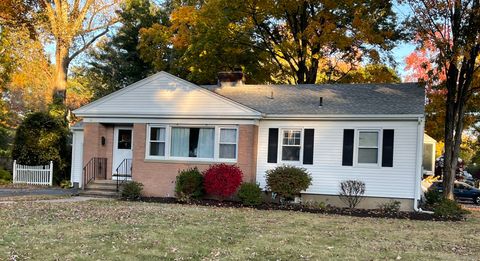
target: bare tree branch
<point>86,45</point>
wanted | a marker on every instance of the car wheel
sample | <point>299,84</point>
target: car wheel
<point>477,200</point>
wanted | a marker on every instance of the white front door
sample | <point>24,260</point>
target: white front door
<point>122,151</point>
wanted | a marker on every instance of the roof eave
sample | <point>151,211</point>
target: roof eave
<point>343,116</point>
<point>167,116</point>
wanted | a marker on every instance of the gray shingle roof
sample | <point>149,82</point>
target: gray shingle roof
<point>338,99</point>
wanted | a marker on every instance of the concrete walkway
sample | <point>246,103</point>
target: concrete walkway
<point>9,192</point>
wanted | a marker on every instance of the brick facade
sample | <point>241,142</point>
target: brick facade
<point>92,145</point>
<point>159,177</point>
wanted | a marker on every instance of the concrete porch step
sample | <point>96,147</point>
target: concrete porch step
<point>101,186</point>
<point>99,193</point>
<point>104,181</point>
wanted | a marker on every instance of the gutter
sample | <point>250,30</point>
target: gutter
<point>391,117</point>
<point>418,163</point>
<point>168,116</point>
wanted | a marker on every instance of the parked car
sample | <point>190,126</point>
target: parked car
<point>461,191</point>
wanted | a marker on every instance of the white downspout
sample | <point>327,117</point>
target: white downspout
<point>419,162</point>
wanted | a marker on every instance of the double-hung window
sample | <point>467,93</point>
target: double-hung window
<point>228,143</point>
<point>291,145</point>
<point>368,144</point>
<point>157,141</point>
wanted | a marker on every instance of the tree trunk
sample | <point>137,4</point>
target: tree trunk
<point>302,69</point>
<point>312,73</point>
<point>449,161</point>
<point>62,62</point>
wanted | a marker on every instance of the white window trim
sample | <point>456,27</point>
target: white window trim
<point>230,143</point>
<point>147,141</point>
<point>168,137</point>
<point>280,147</point>
<point>379,148</point>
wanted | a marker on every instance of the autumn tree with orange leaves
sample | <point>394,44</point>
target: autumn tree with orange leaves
<point>453,29</point>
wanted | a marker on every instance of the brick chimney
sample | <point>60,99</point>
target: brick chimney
<point>230,79</point>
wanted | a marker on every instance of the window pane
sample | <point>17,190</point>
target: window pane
<point>427,157</point>
<point>205,144</point>
<point>368,139</point>
<point>157,134</point>
<point>228,136</point>
<point>291,137</point>
<point>367,155</point>
<point>180,142</point>
<point>193,142</point>
<point>227,151</point>
<point>124,139</point>
<point>157,148</point>
<point>290,153</point>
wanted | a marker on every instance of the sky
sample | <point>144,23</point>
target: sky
<point>403,49</point>
<point>400,52</point>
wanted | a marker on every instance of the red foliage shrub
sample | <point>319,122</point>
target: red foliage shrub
<point>222,180</point>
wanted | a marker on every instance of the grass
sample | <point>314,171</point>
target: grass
<point>10,185</point>
<point>32,197</point>
<point>116,230</point>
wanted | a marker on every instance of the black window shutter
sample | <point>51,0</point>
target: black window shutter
<point>272,145</point>
<point>387,149</point>
<point>347,156</point>
<point>308,146</point>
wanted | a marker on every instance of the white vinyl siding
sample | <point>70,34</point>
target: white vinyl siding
<point>76,171</point>
<point>166,96</point>
<point>327,170</point>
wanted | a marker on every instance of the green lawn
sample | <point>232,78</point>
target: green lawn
<point>114,230</point>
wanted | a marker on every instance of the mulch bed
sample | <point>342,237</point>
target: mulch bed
<point>372,213</point>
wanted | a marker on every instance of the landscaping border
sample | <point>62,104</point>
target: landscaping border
<point>364,213</point>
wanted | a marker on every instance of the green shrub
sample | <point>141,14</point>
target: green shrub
<point>65,184</point>
<point>189,184</point>
<point>5,175</point>
<point>288,181</point>
<point>432,197</point>
<point>392,206</point>
<point>449,209</point>
<point>312,204</point>
<point>42,138</point>
<point>132,190</point>
<point>250,194</point>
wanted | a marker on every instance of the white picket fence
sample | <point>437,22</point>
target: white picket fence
<point>35,175</point>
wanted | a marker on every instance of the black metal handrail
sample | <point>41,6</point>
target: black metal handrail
<point>123,172</point>
<point>94,169</point>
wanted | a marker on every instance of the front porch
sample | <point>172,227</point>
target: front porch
<point>102,157</point>
<point>96,181</point>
